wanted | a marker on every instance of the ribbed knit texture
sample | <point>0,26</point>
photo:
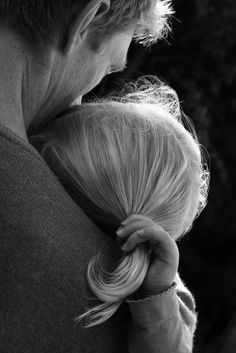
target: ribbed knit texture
<point>46,244</point>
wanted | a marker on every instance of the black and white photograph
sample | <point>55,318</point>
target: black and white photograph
<point>117,176</point>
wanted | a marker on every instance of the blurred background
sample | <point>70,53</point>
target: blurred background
<point>197,60</point>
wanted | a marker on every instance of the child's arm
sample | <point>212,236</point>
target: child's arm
<point>163,310</point>
<point>164,323</point>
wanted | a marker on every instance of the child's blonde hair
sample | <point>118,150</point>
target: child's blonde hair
<point>128,154</point>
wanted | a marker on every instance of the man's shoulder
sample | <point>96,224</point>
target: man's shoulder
<point>46,244</point>
<point>38,218</point>
<point>34,201</point>
<point>44,288</point>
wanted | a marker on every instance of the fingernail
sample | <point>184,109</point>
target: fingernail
<point>119,231</point>
<point>124,247</point>
<point>140,233</point>
<point>124,222</point>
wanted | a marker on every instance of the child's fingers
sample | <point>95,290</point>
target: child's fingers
<point>163,245</point>
<point>138,229</point>
<point>135,217</point>
<point>152,234</point>
<point>133,241</point>
<point>160,241</point>
<point>130,228</point>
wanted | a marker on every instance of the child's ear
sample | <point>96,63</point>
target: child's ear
<point>80,20</point>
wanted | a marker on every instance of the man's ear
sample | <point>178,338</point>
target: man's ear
<point>79,21</point>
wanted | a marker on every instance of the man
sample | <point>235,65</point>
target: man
<point>51,53</point>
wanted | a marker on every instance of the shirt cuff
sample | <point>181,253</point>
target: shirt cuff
<point>155,309</point>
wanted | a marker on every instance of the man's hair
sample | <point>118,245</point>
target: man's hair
<point>41,22</point>
<point>124,155</point>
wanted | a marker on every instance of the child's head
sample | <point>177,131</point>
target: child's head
<point>129,155</point>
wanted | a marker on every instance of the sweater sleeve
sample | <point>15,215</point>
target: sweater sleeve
<point>164,323</point>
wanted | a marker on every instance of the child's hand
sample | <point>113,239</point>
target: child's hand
<point>165,254</point>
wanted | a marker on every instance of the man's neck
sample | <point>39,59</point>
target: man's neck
<point>33,89</point>
<point>26,84</point>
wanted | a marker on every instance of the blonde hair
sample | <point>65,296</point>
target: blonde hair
<point>128,154</point>
<point>152,19</point>
<point>40,23</point>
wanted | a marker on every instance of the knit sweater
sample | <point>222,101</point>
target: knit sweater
<point>46,244</point>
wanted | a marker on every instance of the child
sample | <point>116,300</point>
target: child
<point>122,156</point>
